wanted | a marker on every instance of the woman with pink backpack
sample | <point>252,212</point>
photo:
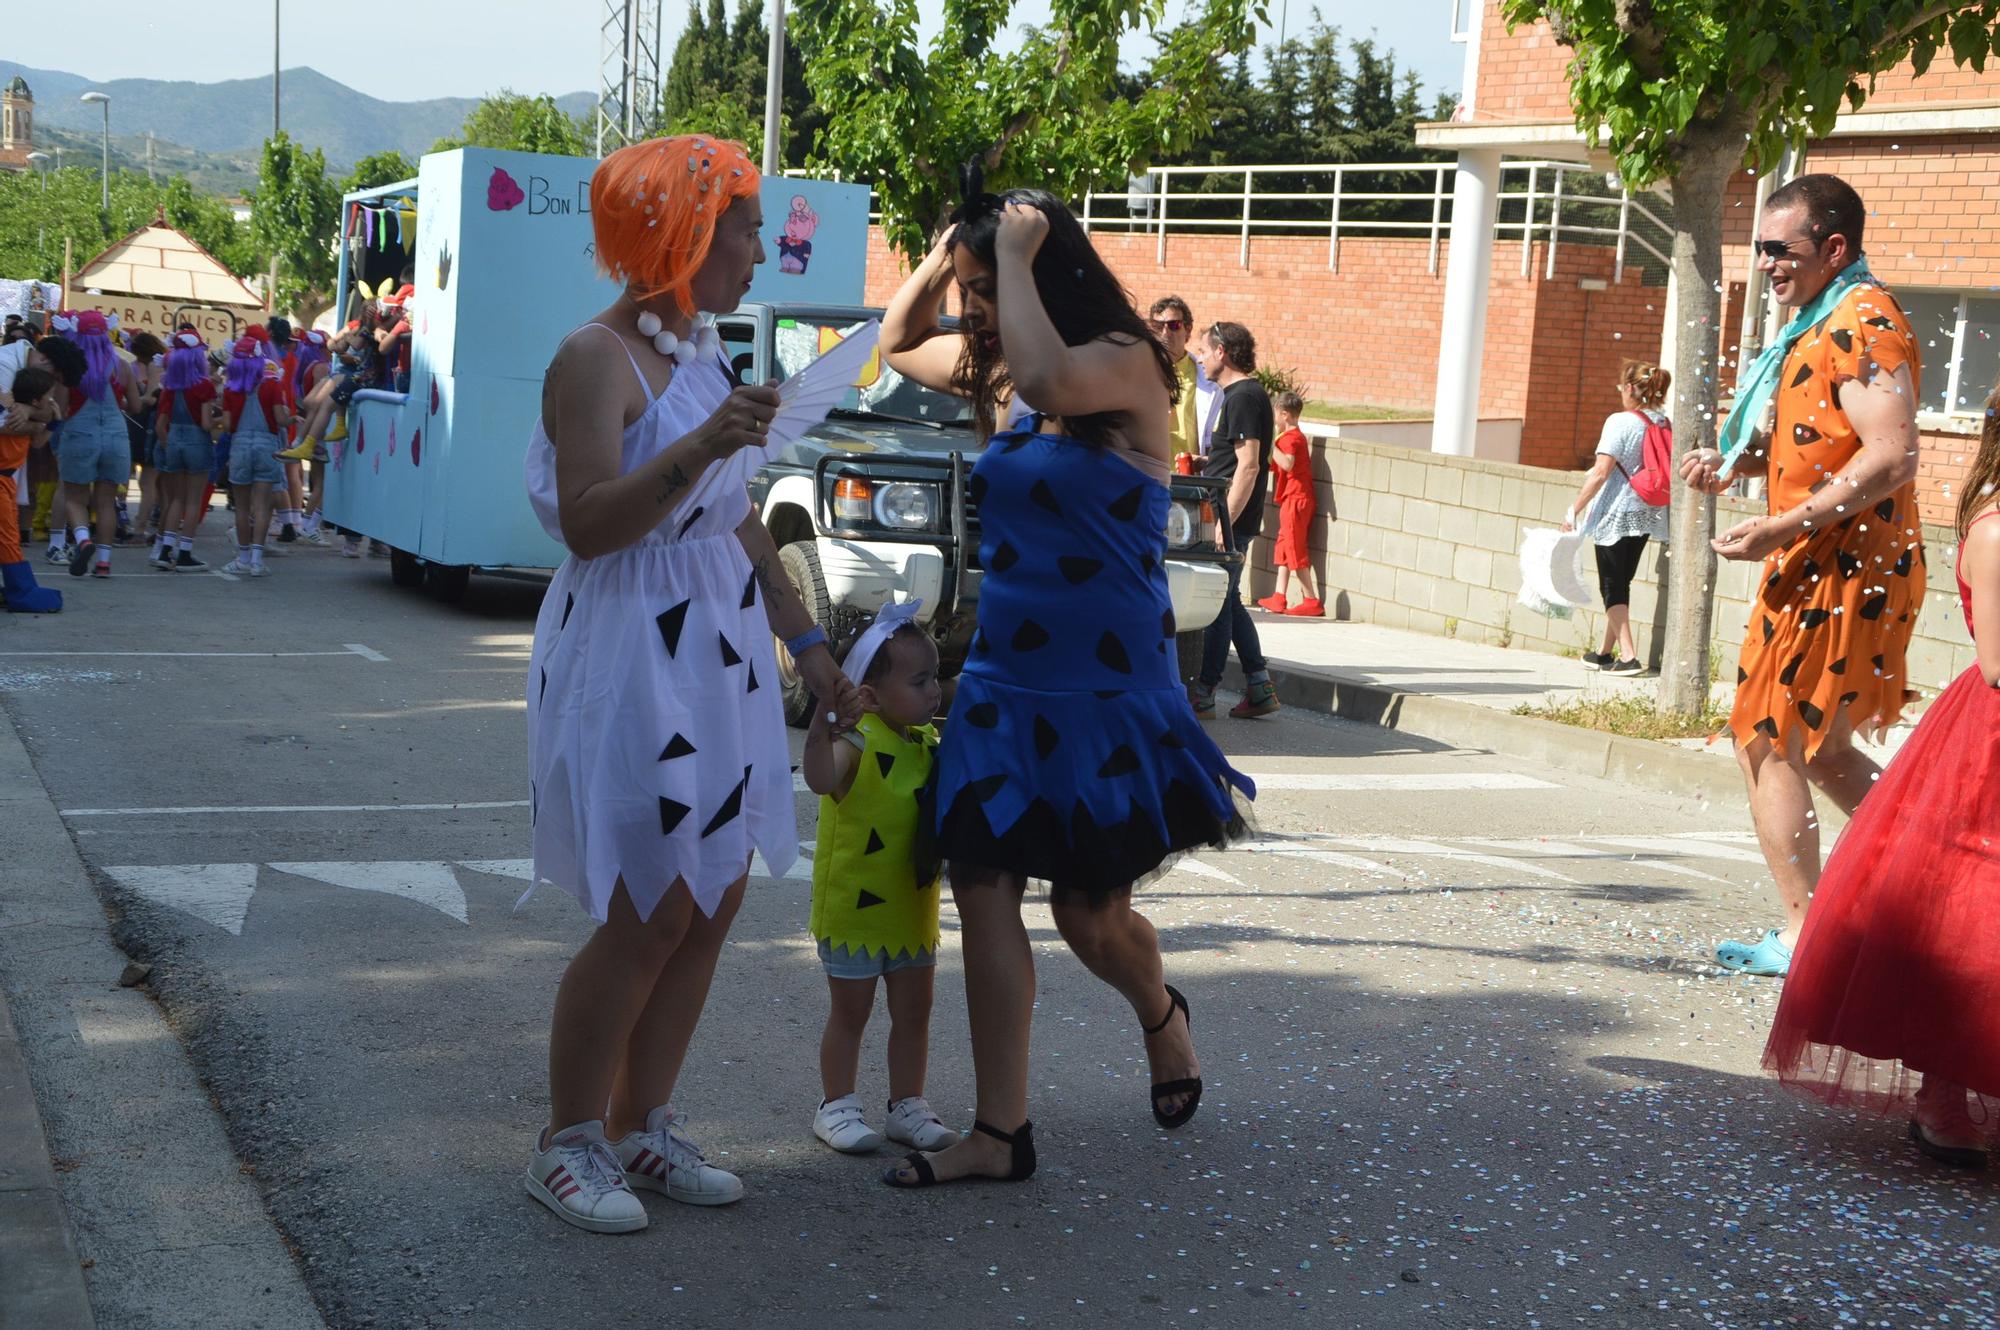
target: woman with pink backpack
<point>1625,495</point>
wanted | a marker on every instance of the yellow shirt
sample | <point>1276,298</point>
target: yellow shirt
<point>869,891</point>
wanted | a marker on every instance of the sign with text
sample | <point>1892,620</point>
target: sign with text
<point>136,314</point>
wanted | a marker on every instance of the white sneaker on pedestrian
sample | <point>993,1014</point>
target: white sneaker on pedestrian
<point>350,549</point>
<point>842,1125</point>
<point>911,1122</point>
<point>577,1176</point>
<point>661,1159</point>
<point>259,570</point>
<point>237,567</point>
<point>313,537</point>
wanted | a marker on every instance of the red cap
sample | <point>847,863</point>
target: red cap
<point>246,345</point>
<point>92,322</point>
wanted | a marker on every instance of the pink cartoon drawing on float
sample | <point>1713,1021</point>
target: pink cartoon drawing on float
<point>795,248</point>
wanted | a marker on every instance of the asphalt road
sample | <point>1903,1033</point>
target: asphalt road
<point>1467,1062</point>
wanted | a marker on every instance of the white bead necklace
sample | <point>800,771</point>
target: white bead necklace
<point>705,341</point>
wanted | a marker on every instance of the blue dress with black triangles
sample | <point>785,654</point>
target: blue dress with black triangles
<point>1072,754</point>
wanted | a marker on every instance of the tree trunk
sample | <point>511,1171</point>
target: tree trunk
<point>1707,157</point>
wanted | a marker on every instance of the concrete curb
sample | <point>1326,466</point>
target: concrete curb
<point>41,1278</point>
<point>1640,762</point>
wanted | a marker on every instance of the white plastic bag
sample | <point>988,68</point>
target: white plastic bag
<point>1551,582</point>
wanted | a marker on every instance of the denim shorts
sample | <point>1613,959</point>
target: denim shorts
<point>840,963</point>
<point>253,460</point>
<point>87,456</point>
<point>187,448</point>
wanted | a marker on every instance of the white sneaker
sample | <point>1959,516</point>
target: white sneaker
<point>840,1124</point>
<point>578,1177</point>
<point>661,1159</point>
<point>911,1122</point>
<point>259,570</point>
<point>350,549</point>
<point>313,537</point>
<point>237,567</point>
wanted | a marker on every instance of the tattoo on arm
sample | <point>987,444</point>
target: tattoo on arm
<point>776,585</point>
<point>670,484</point>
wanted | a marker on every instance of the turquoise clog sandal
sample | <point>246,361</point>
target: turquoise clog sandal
<point>1767,957</point>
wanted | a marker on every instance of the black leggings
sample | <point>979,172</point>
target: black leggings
<point>1616,564</point>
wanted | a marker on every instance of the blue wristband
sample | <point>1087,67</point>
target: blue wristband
<point>814,636</point>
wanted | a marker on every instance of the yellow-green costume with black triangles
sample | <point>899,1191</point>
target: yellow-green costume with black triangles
<point>866,895</point>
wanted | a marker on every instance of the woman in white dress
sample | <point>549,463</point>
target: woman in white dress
<point>657,749</point>
<point>1611,513</point>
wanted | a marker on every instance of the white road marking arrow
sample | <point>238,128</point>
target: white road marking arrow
<point>428,883</point>
<point>217,893</point>
<point>524,869</point>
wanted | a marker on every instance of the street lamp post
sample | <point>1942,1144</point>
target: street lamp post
<point>774,87</point>
<point>104,101</point>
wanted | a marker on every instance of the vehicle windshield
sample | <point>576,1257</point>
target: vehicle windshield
<point>802,340</point>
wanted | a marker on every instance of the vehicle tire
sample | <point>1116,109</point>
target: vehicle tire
<point>447,581</point>
<point>405,569</point>
<point>1187,652</point>
<point>801,564</point>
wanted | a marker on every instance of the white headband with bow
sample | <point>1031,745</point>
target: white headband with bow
<point>891,617</point>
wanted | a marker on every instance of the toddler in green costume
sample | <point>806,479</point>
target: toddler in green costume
<point>875,896</point>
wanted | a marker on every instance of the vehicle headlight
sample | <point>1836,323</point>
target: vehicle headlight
<point>906,507</point>
<point>1183,524</point>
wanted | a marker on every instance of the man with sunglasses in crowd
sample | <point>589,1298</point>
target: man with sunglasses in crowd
<point>1194,415</point>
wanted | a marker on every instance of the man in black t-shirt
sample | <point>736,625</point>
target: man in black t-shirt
<point>1240,453</point>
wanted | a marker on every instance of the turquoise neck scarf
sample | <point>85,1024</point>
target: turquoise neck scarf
<point>1757,388</point>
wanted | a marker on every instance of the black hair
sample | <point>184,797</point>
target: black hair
<point>1831,206</point>
<point>1173,302</point>
<point>1239,348</point>
<point>1082,296</point>
<point>885,655</point>
<point>31,385</point>
<point>145,345</point>
<point>67,358</point>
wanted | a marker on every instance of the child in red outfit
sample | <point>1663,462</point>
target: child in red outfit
<point>1292,491</point>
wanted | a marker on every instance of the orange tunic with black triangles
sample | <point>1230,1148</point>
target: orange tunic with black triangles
<point>1832,621</point>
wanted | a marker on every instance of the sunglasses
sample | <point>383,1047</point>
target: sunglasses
<point>1166,325</point>
<point>1778,249</point>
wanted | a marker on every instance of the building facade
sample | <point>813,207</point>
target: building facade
<point>17,125</point>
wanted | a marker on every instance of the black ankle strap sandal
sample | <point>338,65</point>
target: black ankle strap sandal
<point>1021,1140</point>
<point>1190,1085</point>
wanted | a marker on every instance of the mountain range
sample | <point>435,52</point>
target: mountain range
<point>232,118</point>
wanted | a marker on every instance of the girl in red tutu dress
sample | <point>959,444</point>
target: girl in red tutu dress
<point>1893,1002</point>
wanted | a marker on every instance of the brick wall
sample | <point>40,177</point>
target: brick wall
<point>1369,333</point>
<point>1432,544</point>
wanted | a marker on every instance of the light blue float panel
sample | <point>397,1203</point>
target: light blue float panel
<point>505,267</point>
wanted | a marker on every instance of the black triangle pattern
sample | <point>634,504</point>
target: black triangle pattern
<point>731,807</point>
<point>1076,569</point>
<point>1046,738</point>
<point>1111,653</point>
<point>868,899</point>
<point>885,762</point>
<point>984,716</point>
<point>1045,498</point>
<point>729,656</point>
<point>874,842</point>
<point>671,624</point>
<point>569,603</point>
<point>1004,558</point>
<point>671,814</point>
<point>1030,636</point>
<point>750,592</point>
<point>692,518</point>
<point>545,687</point>
<point>1122,762</point>
<point>1126,507</point>
<point>678,746</point>
<point>753,678</point>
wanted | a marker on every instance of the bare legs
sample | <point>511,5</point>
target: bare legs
<point>628,1006</point>
<point>1781,807</point>
<point>1113,941</point>
<point>852,1001</point>
<point>80,500</point>
<point>1618,643</point>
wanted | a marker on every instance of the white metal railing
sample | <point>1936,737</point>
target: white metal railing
<point>1540,194</point>
<point>1548,201</point>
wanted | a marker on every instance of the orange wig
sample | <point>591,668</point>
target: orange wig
<point>654,206</point>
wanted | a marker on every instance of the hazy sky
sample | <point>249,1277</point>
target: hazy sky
<point>465,48</point>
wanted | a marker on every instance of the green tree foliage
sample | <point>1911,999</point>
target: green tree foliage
<point>511,121</point>
<point>1052,114</point>
<point>378,169</point>
<point>716,83</point>
<point>37,214</point>
<point>1686,92</point>
<point>294,215</point>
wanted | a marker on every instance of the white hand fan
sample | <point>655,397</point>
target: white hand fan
<point>807,397</point>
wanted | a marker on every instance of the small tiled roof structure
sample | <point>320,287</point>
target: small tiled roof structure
<point>160,263</point>
<point>18,87</point>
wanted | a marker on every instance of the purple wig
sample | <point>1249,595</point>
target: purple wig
<point>100,361</point>
<point>246,374</point>
<point>306,354</point>
<point>186,366</point>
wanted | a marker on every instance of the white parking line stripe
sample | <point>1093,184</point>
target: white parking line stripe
<point>1400,782</point>
<point>366,653</point>
<point>1396,845</point>
<point>1697,849</point>
<point>290,808</point>
<point>208,655</point>
<point>1556,849</point>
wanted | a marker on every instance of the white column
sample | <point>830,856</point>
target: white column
<point>1475,206</point>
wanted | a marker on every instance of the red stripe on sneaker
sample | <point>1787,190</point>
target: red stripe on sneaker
<point>556,1177</point>
<point>648,1163</point>
<point>568,1191</point>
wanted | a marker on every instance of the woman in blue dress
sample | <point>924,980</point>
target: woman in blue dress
<point>1072,755</point>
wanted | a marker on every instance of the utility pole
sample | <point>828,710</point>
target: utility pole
<point>275,67</point>
<point>774,88</point>
<point>103,101</point>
